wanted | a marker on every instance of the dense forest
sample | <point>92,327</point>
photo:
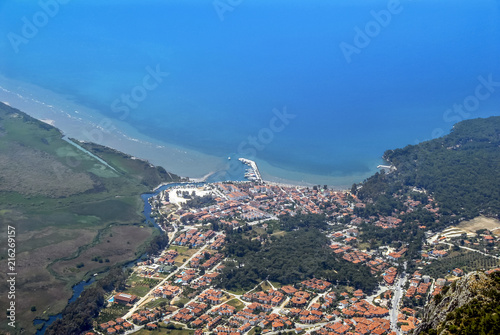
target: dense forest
<point>199,202</point>
<point>299,254</point>
<point>78,316</point>
<point>461,169</point>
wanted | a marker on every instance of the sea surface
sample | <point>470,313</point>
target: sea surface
<point>314,91</point>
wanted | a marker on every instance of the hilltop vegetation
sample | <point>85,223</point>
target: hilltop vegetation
<point>300,254</point>
<point>73,214</point>
<point>461,170</point>
<point>467,307</point>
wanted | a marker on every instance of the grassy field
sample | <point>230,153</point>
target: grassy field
<point>237,292</point>
<point>236,303</point>
<point>111,313</point>
<point>265,286</point>
<point>67,208</point>
<point>139,286</point>
<point>139,291</point>
<point>184,254</point>
<point>276,285</point>
<point>156,303</point>
<point>182,300</point>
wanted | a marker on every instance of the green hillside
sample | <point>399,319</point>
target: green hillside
<point>461,169</point>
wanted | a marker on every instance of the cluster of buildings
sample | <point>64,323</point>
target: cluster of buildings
<point>270,298</point>
<point>117,326</point>
<point>205,260</point>
<point>146,316</point>
<point>357,325</point>
<point>407,320</point>
<point>312,305</point>
<point>193,238</point>
<point>419,286</point>
<point>167,291</point>
<point>291,307</point>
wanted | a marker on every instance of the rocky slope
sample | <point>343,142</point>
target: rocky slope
<point>471,305</point>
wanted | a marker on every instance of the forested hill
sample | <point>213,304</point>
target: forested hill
<point>300,253</point>
<point>461,169</point>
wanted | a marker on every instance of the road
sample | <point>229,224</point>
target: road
<point>148,295</point>
<point>381,290</point>
<point>394,311</point>
<point>253,223</point>
<point>470,249</point>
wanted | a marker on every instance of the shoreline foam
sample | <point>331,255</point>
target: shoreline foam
<point>87,124</point>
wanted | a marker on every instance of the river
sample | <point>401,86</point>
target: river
<point>78,288</point>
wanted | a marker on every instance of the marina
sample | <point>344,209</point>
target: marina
<point>252,172</point>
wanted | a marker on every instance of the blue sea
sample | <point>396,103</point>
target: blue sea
<point>315,91</point>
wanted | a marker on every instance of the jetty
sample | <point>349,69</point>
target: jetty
<point>388,168</point>
<point>253,172</point>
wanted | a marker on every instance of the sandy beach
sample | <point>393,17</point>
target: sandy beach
<point>86,124</point>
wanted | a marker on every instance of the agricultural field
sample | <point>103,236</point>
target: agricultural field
<point>465,260</point>
<point>236,303</point>
<point>141,286</point>
<point>184,254</point>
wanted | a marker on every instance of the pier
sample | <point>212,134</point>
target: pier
<point>254,173</point>
<point>389,168</point>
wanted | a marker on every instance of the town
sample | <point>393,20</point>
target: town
<point>177,289</point>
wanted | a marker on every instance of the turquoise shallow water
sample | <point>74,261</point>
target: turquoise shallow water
<point>314,91</point>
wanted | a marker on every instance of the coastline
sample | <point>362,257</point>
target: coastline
<point>340,183</point>
<point>86,124</point>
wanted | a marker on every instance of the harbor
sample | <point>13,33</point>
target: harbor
<point>252,172</point>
